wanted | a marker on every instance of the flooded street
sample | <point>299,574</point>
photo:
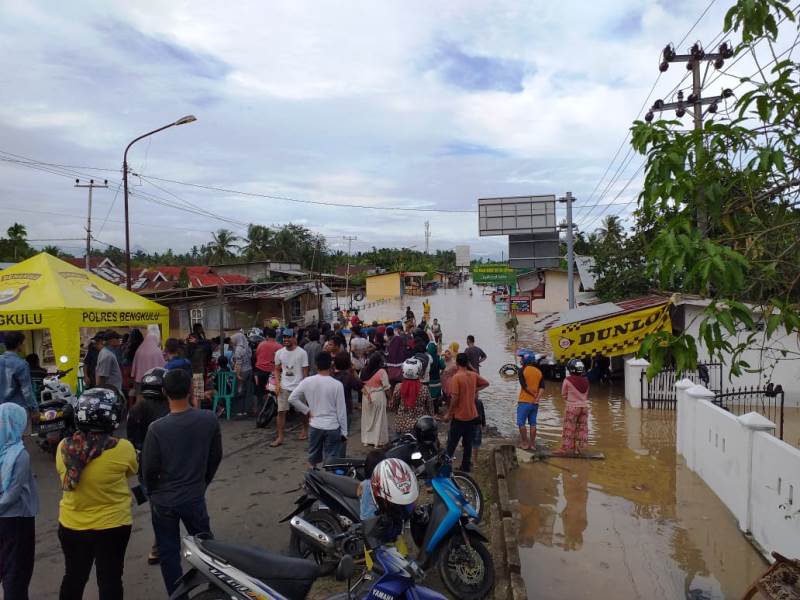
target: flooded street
<point>635,525</point>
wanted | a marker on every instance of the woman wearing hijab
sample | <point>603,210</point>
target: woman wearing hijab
<point>148,356</point>
<point>436,368</point>
<point>411,398</point>
<point>374,422</point>
<point>243,367</point>
<point>95,511</point>
<point>450,368</point>
<point>19,504</point>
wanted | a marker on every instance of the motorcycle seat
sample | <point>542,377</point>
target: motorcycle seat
<point>346,486</point>
<point>345,462</point>
<point>291,577</point>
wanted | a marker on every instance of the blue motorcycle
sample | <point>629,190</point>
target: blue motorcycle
<point>447,536</point>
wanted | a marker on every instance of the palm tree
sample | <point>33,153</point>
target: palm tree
<point>17,232</point>
<point>611,230</point>
<point>52,250</point>
<point>258,243</point>
<point>223,244</point>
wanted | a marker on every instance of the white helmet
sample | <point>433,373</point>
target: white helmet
<point>576,367</point>
<point>412,368</point>
<point>394,482</point>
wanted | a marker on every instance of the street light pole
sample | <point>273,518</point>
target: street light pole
<point>569,199</point>
<point>181,121</point>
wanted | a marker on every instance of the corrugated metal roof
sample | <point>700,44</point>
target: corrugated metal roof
<point>585,265</point>
<point>596,312</point>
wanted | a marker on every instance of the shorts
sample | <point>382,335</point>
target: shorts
<point>323,444</point>
<point>283,400</point>
<point>477,437</point>
<point>527,411</point>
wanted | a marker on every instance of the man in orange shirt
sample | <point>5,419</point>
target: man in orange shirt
<point>531,383</point>
<point>463,412</point>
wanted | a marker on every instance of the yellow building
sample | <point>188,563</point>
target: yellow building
<point>385,285</point>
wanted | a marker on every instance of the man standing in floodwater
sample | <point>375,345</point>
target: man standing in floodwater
<point>474,354</point>
<point>531,383</point>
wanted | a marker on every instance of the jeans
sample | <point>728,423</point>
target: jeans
<point>105,548</point>
<point>167,526</point>
<point>461,431</point>
<point>324,444</point>
<point>17,537</point>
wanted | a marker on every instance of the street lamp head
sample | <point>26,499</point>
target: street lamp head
<point>186,119</point>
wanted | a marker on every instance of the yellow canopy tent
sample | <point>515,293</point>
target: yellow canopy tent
<point>45,292</point>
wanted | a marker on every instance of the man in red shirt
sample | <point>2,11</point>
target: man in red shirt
<point>463,411</point>
<point>265,363</point>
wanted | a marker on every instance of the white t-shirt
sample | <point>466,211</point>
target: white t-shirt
<point>323,397</point>
<point>291,363</point>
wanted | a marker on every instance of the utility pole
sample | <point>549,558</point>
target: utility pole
<point>569,199</point>
<point>91,185</point>
<point>319,278</point>
<point>693,61</point>
<point>427,236</point>
<point>350,239</point>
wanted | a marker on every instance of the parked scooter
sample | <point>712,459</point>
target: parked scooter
<point>236,572</point>
<point>425,442</point>
<point>270,407</point>
<point>56,412</point>
<point>444,531</point>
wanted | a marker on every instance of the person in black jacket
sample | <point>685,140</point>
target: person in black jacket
<point>182,452</point>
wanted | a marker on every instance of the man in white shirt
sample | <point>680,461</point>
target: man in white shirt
<point>321,397</point>
<point>291,367</point>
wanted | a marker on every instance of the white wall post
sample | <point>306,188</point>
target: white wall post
<point>693,395</point>
<point>684,410</point>
<point>752,422</point>
<point>634,367</point>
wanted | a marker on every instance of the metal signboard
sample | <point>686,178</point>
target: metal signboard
<point>534,250</point>
<point>516,215</point>
<point>462,256</point>
<point>500,274</point>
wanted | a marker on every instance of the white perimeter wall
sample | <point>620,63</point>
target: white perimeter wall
<point>756,475</point>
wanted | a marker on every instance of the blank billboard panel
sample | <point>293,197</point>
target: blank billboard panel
<point>462,256</point>
<point>534,250</point>
<point>521,214</point>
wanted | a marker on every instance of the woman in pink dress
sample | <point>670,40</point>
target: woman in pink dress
<point>374,422</point>
<point>575,391</point>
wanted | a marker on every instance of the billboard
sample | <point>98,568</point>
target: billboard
<point>462,256</point>
<point>498,273</point>
<point>516,215</point>
<point>534,250</point>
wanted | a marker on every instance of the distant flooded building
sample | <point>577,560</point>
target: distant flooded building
<point>395,284</point>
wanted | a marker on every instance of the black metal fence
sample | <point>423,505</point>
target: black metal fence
<point>659,392</point>
<point>765,402</point>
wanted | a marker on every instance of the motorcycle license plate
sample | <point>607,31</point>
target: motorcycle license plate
<point>46,427</point>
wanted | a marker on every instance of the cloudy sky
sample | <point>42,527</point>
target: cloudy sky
<point>424,105</point>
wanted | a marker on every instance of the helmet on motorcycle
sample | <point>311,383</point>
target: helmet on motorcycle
<point>153,384</point>
<point>575,366</point>
<point>426,431</point>
<point>412,368</point>
<point>394,484</point>
<point>98,410</point>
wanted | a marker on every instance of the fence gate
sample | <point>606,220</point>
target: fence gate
<point>659,392</point>
<point>767,402</point>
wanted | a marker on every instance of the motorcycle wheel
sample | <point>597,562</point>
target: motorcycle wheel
<point>299,547</point>
<point>471,490</point>
<point>267,412</point>
<point>467,571</point>
<point>211,593</point>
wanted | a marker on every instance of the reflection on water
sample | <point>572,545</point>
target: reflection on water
<point>635,525</point>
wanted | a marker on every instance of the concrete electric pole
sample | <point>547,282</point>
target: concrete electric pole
<point>693,61</point>
<point>427,236</point>
<point>91,185</point>
<point>569,199</point>
<point>350,239</point>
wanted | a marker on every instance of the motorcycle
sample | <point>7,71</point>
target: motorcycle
<point>232,571</point>
<point>405,448</point>
<point>270,407</point>
<point>56,412</point>
<point>444,531</point>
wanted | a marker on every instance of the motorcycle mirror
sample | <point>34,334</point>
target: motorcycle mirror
<point>345,569</point>
<point>63,359</point>
<point>416,456</point>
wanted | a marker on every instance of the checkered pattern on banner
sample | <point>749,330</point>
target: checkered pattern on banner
<point>609,347</point>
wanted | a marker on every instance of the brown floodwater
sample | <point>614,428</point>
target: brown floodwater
<point>637,524</point>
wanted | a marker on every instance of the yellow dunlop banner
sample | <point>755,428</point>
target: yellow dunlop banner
<point>612,336</point>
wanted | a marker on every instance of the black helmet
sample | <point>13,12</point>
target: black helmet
<point>98,410</point>
<point>153,384</point>
<point>426,430</point>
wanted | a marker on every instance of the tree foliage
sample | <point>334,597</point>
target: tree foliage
<point>723,202</point>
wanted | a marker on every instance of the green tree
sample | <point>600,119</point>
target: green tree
<point>222,245</point>
<point>183,278</point>
<point>722,203</point>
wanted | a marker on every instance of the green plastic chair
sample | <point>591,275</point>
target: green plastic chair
<point>224,390</point>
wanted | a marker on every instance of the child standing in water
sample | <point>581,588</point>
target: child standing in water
<point>575,391</point>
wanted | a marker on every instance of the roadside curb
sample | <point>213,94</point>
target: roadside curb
<point>505,527</point>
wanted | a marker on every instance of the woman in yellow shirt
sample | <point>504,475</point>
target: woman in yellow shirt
<point>95,511</point>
